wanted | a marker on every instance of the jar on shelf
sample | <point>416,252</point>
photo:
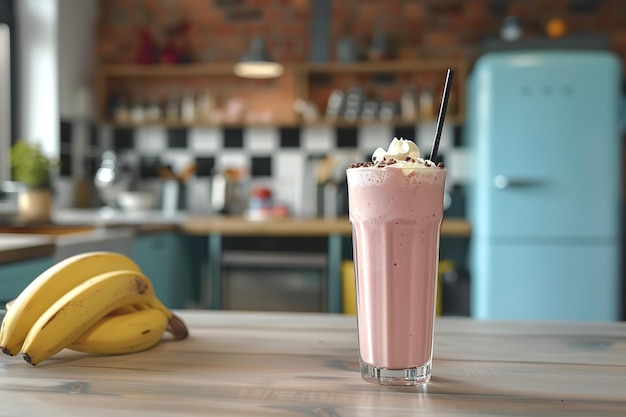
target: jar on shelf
<point>408,105</point>
<point>188,107</point>
<point>153,111</point>
<point>172,110</point>
<point>260,205</point>
<point>426,103</point>
<point>120,110</point>
<point>205,105</point>
<point>137,112</point>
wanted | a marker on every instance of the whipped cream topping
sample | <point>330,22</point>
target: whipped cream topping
<point>399,149</point>
<point>401,153</point>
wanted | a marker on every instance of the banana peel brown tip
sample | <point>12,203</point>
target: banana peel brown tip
<point>6,351</point>
<point>28,359</point>
<point>177,327</point>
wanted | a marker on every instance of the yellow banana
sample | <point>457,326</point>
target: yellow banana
<point>125,333</point>
<point>127,309</point>
<point>51,285</point>
<point>128,329</point>
<point>82,307</point>
<point>130,308</point>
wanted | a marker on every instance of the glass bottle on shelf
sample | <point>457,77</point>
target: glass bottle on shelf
<point>137,111</point>
<point>426,103</point>
<point>408,106</point>
<point>370,111</point>
<point>335,104</point>
<point>205,106</point>
<point>172,109</point>
<point>188,107</point>
<point>353,104</point>
<point>153,111</point>
<point>120,110</point>
<point>387,111</point>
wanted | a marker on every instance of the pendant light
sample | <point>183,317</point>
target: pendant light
<point>256,63</point>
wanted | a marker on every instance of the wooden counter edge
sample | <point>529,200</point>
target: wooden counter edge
<point>26,253</point>
<point>239,226</point>
<point>147,229</point>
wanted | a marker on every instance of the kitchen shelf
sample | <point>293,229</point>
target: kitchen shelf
<point>312,123</point>
<point>385,81</point>
<point>178,70</point>
<point>452,120</point>
<point>310,82</point>
<point>385,66</point>
<point>198,124</point>
<point>163,83</point>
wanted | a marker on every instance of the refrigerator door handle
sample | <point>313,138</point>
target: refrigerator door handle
<point>502,182</point>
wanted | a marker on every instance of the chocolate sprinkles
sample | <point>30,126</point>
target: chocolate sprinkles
<point>386,162</point>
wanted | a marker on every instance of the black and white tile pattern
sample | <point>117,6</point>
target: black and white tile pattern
<point>276,157</point>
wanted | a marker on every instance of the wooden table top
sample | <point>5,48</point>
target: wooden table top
<point>305,364</point>
<point>239,226</point>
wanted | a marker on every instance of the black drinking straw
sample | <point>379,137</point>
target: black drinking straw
<point>442,114</point>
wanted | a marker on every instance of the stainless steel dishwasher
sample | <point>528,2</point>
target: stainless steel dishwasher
<point>274,281</point>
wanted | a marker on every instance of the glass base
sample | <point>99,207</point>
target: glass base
<point>409,376</point>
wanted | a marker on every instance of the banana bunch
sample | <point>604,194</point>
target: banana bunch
<point>95,302</point>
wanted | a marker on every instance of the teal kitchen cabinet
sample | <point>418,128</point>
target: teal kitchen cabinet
<point>172,263</point>
<point>15,276</point>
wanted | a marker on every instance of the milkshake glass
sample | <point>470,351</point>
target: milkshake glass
<point>396,210</point>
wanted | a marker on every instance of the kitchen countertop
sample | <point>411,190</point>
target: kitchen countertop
<point>91,225</point>
<point>20,243</point>
<point>104,217</point>
<point>299,364</point>
<point>293,226</point>
<point>17,247</point>
<point>201,224</point>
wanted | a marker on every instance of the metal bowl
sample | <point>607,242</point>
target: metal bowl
<point>136,200</point>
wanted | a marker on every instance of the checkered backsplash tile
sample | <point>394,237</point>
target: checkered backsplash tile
<point>273,156</point>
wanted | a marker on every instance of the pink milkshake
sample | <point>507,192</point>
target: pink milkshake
<point>396,210</point>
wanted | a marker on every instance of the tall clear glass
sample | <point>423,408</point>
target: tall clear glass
<point>396,219</point>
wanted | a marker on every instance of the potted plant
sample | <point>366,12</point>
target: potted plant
<point>32,169</point>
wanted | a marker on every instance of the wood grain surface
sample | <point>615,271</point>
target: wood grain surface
<point>300,364</point>
<point>238,226</point>
<point>16,247</point>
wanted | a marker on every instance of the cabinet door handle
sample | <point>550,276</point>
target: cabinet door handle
<point>502,181</point>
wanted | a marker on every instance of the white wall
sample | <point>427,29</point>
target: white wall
<point>37,64</point>
<point>5,102</point>
<point>76,57</point>
<point>56,62</point>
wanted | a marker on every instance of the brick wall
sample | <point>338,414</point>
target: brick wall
<point>216,30</point>
<point>220,30</point>
<point>427,28</point>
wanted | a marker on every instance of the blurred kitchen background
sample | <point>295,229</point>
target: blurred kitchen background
<point>139,102</point>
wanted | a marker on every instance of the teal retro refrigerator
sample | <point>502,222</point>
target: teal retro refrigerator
<point>545,186</point>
